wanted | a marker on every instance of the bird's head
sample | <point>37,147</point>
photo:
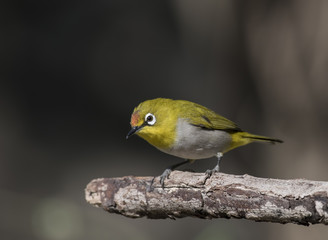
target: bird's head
<point>155,121</point>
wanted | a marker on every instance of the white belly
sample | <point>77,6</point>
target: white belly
<point>196,143</point>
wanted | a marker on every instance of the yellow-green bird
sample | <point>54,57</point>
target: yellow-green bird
<point>188,130</point>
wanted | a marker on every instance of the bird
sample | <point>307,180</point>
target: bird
<point>188,130</point>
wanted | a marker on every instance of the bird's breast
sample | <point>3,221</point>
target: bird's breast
<point>192,142</point>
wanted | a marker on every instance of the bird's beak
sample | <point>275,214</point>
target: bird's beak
<point>133,130</point>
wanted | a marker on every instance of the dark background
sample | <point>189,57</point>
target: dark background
<point>72,72</point>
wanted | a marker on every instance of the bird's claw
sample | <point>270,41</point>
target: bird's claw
<point>162,178</point>
<point>165,175</point>
<point>209,172</point>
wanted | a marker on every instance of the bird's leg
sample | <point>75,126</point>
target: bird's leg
<point>216,168</point>
<point>168,171</point>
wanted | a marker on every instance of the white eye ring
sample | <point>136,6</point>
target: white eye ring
<point>150,119</point>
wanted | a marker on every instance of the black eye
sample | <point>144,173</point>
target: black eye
<point>150,119</point>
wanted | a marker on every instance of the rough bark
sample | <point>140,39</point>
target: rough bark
<point>221,196</point>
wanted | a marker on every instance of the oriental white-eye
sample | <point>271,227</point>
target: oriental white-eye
<point>188,130</point>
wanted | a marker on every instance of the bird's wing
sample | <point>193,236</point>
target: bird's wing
<point>208,119</point>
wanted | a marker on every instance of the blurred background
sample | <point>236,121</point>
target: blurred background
<point>72,72</point>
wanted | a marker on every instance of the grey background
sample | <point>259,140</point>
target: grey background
<point>72,72</point>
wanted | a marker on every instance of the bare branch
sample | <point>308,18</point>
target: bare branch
<point>221,196</point>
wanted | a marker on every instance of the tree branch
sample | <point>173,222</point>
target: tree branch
<point>221,196</point>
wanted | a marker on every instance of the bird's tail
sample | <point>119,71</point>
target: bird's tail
<point>253,138</point>
<point>243,138</point>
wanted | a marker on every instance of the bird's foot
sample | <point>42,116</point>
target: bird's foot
<point>167,172</point>
<point>209,172</point>
<point>165,175</point>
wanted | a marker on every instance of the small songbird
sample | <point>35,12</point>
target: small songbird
<point>188,130</point>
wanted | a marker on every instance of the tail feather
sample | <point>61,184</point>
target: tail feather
<point>243,138</point>
<point>261,138</point>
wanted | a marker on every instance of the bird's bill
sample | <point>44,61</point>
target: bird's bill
<point>133,131</point>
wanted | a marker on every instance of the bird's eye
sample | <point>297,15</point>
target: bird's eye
<point>150,119</point>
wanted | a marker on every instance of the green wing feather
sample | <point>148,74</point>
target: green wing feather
<point>207,119</point>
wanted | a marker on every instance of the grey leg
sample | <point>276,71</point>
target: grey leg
<point>216,168</point>
<point>168,171</point>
